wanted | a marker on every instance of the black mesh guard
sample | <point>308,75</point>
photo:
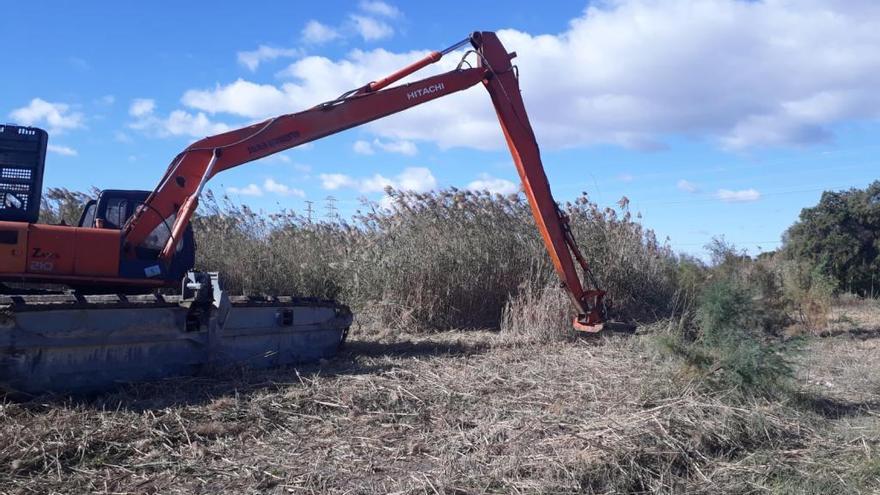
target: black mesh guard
<point>22,158</point>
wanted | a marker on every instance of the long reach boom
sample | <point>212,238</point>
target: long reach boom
<point>140,253</point>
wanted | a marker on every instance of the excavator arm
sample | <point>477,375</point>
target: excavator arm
<point>503,87</point>
<point>173,202</point>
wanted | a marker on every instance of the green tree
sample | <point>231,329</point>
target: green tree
<point>841,237</point>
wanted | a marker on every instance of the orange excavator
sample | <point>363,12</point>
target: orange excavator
<point>129,241</point>
<point>112,325</point>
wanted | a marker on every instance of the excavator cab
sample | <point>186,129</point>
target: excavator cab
<point>113,207</point>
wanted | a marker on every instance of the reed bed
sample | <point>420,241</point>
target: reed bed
<point>441,260</point>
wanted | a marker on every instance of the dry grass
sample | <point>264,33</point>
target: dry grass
<point>538,314</point>
<point>854,315</point>
<point>459,413</point>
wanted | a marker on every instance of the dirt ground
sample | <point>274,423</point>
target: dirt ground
<point>461,413</point>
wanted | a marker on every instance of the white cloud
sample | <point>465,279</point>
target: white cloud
<point>61,150</point>
<point>270,185</point>
<point>362,147</point>
<point>332,182</point>
<point>379,8</point>
<point>371,29</point>
<point>780,72</point>
<point>57,117</point>
<point>376,183</point>
<point>315,32</point>
<point>141,107</point>
<point>249,190</point>
<point>242,98</point>
<point>107,100</point>
<point>401,146</point>
<point>417,179</point>
<point>741,196</point>
<point>253,59</point>
<point>494,185</point>
<point>367,24</point>
<point>687,186</point>
<point>177,123</point>
<point>626,177</point>
<point>180,123</point>
<point>314,79</point>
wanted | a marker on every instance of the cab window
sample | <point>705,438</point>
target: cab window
<point>116,213</point>
<point>87,219</point>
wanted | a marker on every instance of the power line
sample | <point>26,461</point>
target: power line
<point>309,210</point>
<point>731,167</point>
<point>715,198</point>
<point>330,206</point>
<point>707,242</point>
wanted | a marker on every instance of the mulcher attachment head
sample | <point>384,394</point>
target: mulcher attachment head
<point>596,320</point>
<point>592,321</point>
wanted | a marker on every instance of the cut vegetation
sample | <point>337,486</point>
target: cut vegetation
<point>463,413</point>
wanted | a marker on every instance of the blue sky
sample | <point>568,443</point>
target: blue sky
<point>716,117</point>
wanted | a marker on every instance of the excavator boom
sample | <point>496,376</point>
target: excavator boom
<point>552,223</point>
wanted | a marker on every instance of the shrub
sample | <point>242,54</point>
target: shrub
<point>731,348</point>
<point>758,277</point>
<point>809,292</point>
